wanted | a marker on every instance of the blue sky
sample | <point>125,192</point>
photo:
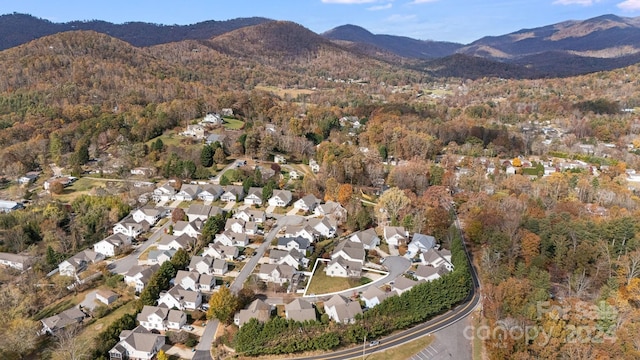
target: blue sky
<point>460,21</point>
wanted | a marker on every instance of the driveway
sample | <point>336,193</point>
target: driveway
<point>270,209</point>
<point>123,265</point>
<point>203,349</point>
<point>175,204</point>
<point>229,206</point>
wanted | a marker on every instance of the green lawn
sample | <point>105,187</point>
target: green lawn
<point>56,308</point>
<point>80,187</point>
<point>322,284</point>
<point>233,124</point>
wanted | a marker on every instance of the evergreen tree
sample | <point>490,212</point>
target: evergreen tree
<point>206,156</point>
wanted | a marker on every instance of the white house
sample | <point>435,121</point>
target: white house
<point>298,243</point>
<point>219,251</point>
<point>210,192</point>
<point>332,210</point>
<point>427,273</point>
<point>256,216</point>
<point>232,193</point>
<point>322,226</point>
<point>16,261</point>
<point>374,296</point>
<point>300,310</point>
<point>274,273</point>
<point>138,276</point>
<point>188,192</point>
<point>190,228</point>
<point>79,262</point>
<point>229,238</point>
<point>138,344</point>
<point>160,256</point>
<point>181,298</point>
<point>235,225</point>
<point>131,228</point>
<point>208,265</point>
<point>280,198</point>
<point>420,243</point>
<point>213,119</point>
<point>437,258</point>
<point>307,203</point>
<point>112,245</point>
<point>201,212</point>
<point>279,159</point>
<point>342,310</point>
<point>304,231</point>
<point>149,214</point>
<point>395,235</point>
<point>368,238</point>
<point>349,250</point>
<point>315,167</point>
<point>340,267</point>
<point>175,242</point>
<point>161,318</point>
<point>254,196</point>
<point>165,192</point>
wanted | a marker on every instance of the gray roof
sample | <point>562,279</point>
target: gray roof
<point>345,309</point>
<point>63,319</point>
<point>141,340</point>
<point>367,237</point>
<point>300,310</point>
<point>423,241</point>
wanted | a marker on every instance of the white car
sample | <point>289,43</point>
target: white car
<point>187,327</point>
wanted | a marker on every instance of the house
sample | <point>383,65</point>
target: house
<point>112,245</point>
<point>254,196</point>
<point>208,265</point>
<point>420,243</point>
<point>206,282</point>
<point>180,298</point>
<point>198,212</point>
<point>428,273</point>
<point>293,258</point>
<point>332,210</point>
<point>395,235</point>
<point>195,130</point>
<point>315,167</point>
<point>63,180</point>
<point>28,178</point>
<point>149,214</point>
<point>232,193</point>
<point>212,118</point>
<point>280,198</point>
<point>56,322</point>
<point>188,192</point>
<point>143,171</point>
<point>300,310</point>
<point>342,310</point>
<point>8,206</point>
<point>79,262</point>
<point>190,280</point>
<point>226,111</point>
<point>279,159</point>
<point>215,138</point>
<point>274,273</point>
<point>106,297</point>
<point>303,230</point>
<point>258,309</point>
<point>138,344</point>
<point>307,203</point>
<point>131,228</point>
<point>235,225</point>
<point>210,192</point>
<point>368,238</point>
<point>340,267</point>
<point>138,276</point>
<point>322,226</point>
<point>229,238</point>
<point>161,318</point>
<point>374,296</point>
<point>189,228</point>
<point>165,192</point>
<point>219,251</point>
<point>298,243</point>
<point>256,216</point>
<point>160,256</point>
<point>16,261</point>
<point>350,251</point>
<point>437,258</point>
<point>402,284</point>
<point>175,242</point>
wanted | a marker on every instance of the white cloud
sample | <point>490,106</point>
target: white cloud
<point>397,18</point>
<point>629,5</point>
<point>575,2</point>
<point>380,7</point>
<point>422,1</point>
<point>348,1</point>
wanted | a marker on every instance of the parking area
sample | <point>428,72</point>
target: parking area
<point>436,351</point>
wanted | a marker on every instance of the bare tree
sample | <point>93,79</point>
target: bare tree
<point>69,346</point>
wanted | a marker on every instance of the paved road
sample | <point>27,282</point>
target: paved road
<point>123,265</point>
<point>203,349</point>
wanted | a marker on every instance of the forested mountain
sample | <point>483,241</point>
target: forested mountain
<point>20,28</point>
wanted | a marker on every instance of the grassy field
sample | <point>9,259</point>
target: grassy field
<point>233,124</point>
<point>322,284</point>
<point>89,333</point>
<point>405,351</point>
<point>80,187</point>
<point>293,93</point>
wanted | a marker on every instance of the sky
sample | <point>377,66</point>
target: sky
<point>461,21</point>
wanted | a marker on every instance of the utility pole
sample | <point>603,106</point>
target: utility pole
<point>364,345</point>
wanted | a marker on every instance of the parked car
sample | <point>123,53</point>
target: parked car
<point>187,327</point>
